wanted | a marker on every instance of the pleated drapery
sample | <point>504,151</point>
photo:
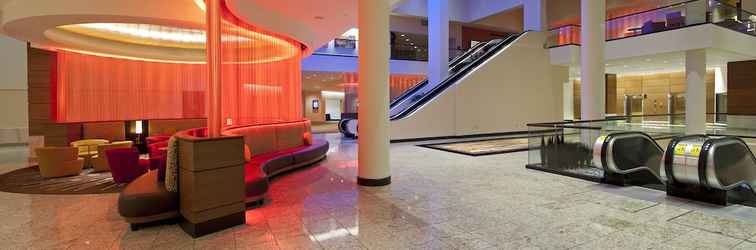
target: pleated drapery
<point>95,88</point>
<point>261,75</point>
<point>261,83</point>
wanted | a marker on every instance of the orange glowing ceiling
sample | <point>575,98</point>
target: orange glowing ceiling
<point>160,36</point>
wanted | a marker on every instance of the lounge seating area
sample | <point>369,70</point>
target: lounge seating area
<point>59,161</point>
<point>274,149</point>
<point>269,150</point>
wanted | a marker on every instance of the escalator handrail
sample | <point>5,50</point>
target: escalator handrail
<point>605,161</point>
<point>456,76</point>
<point>414,88</point>
<point>704,158</point>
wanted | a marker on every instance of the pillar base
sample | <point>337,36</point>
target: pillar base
<point>373,182</point>
<point>214,225</point>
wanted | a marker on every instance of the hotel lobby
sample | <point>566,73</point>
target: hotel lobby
<point>377,124</point>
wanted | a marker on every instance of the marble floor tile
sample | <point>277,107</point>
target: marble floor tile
<point>715,224</point>
<point>697,239</point>
<point>437,200</point>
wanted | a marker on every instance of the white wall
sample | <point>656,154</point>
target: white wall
<point>516,87</point>
<point>14,122</point>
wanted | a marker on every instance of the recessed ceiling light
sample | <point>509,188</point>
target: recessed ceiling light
<point>648,59</point>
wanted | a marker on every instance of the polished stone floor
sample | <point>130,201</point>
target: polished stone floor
<point>438,200</point>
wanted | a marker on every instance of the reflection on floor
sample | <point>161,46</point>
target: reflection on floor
<point>325,127</point>
<point>438,200</point>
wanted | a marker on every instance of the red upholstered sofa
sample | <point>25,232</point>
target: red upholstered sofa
<point>273,149</point>
<point>270,150</point>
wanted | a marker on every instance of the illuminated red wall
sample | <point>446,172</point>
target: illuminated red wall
<point>398,83</point>
<point>96,88</point>
<point>261,83</point>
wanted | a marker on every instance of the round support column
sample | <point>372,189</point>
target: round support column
<point>695,96</point>
<point>373,93</point>
<point>592,68</point>
<point>213,50</point>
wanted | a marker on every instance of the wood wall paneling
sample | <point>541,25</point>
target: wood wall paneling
<point>655,87</point>
<point>741,85</point>
<point>40,68</point>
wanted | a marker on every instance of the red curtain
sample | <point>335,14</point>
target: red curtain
<point>261,83</point>
<point>261,75</point>
<point>95,88</point>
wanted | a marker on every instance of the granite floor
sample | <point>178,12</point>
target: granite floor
<point>438,200</point>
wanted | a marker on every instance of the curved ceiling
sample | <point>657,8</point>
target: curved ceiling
<point>312,23</point>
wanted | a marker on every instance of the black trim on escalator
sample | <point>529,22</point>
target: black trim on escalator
<point>454,77</point>
<point>422,83</point>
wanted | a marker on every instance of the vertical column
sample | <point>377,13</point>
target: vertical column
<point>593,83</point>
<point>535,15</point>
<point>695,97</point>
<point>438,40</point>
<point>213,50</point>
<point>373,150</point>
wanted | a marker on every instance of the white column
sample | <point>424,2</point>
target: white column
<point>373,140</point>
<point>695,97</point>
<point>438,40</point>
<point>593,83</point>
<point>535,15</point>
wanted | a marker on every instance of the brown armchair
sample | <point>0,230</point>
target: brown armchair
<point>100,161</point>
<point>59,161</point>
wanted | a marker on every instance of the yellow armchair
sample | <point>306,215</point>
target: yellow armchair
<point>88,148</point>
<point>88,145</point>
<point>59,161</point>
<point>100,161</point>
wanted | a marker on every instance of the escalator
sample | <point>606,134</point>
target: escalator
<point>629,158</point>
<point>422,93</point>
<point>719,170</point>
<point>452,65</point>
<point>415,98</point>
<point>723,163</point>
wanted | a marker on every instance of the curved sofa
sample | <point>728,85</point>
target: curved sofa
<point>272,149</point>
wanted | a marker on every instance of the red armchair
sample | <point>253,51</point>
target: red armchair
<point>154,148</point>
<point>157,138</point>
<point>125,164</point>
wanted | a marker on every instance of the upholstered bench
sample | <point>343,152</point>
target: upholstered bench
<point>146,200</point>
<point>261,168</point>
<point>271,150</point>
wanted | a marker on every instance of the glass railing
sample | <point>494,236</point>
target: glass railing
<point>345,47</point>
<point>565,35</point>
<point>339,47</point>
<point>665,18</point>
<point>567,147</point>
<point>656,20</point>
<point>732,17</point>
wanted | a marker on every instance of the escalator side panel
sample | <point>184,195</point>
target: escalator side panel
<point>423,98</point>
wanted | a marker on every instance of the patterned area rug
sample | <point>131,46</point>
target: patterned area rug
<point>483,147</point>
<point>28,181</point>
